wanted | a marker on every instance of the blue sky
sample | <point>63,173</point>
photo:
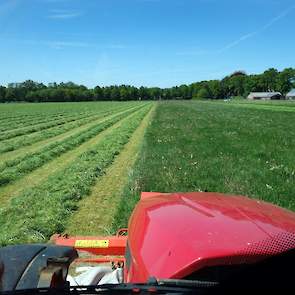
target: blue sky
<point>143,42</point>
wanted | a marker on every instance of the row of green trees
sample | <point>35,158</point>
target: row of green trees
<point>241,84</point>
<point>236,84</point>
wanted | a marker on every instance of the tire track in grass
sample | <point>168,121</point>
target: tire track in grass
<point>97,211</point>
<point>18,167</point>
<point>41,174</point>
<point>38,213</point>
<point>61,135</point>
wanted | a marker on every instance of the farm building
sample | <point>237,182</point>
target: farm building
<point>265,95</point>
<point>291,94</point>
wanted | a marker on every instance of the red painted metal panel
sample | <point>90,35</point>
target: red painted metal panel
<point>173,235</point>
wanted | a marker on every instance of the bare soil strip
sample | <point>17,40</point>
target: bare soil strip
<point>41,144</point>
<point>96,212</point>
<point>42,173</point>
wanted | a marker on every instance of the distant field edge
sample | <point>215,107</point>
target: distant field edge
<point>260,105</point>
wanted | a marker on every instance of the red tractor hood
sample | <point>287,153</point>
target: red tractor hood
<point>175,235</point>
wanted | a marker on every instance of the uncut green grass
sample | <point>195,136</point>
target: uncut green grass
<point>284,103</point>
<point>39,212</point>
<point>195,146</point>
<point>267,106</point>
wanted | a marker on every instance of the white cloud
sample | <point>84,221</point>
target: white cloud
<point>200,51</point>
<point>258,31</point>
<point>63,14</point>
<point>63,44</point>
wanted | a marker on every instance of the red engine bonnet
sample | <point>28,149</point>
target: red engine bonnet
<point>174,235</point>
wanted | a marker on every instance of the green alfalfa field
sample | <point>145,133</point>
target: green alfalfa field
<point>80,167</point>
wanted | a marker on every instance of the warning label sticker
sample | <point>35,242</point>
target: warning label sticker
<point>92,244</point>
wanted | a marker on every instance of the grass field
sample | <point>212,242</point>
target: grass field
<point>216,146</point>
<point>80,167</point>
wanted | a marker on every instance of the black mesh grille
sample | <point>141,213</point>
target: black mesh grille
<point>271,246</point>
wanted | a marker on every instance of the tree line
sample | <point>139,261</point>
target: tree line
<point>237,84</point>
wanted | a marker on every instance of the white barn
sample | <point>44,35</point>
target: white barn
<point>291,94</point>
<point>265,95</point>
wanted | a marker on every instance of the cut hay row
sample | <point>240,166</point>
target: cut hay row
<point>35,128</point>
<point>44,210</point>
<point>6,119</point>
<point>98,209</point>
<point>31,119</point>
<point>46,117</point>
<point>42,173</point>
<point>24,111</point>
<point>30,143</point>
<point>12,124</point>
<point>40,136</point>
<point>18,167</point>
<point>83,111</point>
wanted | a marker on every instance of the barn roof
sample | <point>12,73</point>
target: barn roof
<point>264,94</point>
<point>291,93</point>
